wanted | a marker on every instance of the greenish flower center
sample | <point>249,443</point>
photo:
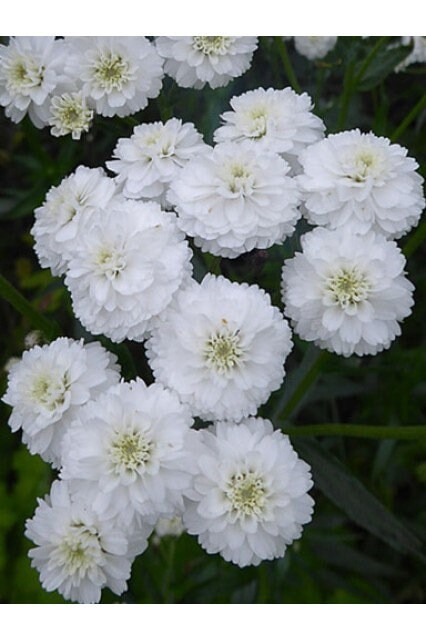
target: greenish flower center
<point>211,45</point>
<point>246,493</point>
<point>130,451</point>
<point>348,286</point>
<point>222,351</point>
<point>79,550</point>
<point>49,391</point>
<point>111,71</point>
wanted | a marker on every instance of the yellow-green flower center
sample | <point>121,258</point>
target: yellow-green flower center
<point>222,351</point>
<point>348,286</point>
<point>111,71</point>
<point>211,45</point>
<point>129,451</point>
<point>247,494</point>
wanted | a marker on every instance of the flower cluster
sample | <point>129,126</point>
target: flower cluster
<point>128,455</point>
<point>64,82</point>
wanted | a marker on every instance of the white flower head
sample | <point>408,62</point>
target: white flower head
<point>49,384</point>
<point>250,500</point>
<point>69,114</point>
<point>221,346</point>
<point>347,293</point>
<point>57,224</point>
<point>147,162</point>
<point>277,120</point>
<point>362,182</point>
<point>236,198</point>
<point>314,47</point>
<point>418,53</point>
<point>117,75</point>
<point>132,447</point>
<point>30,69</point>
<point>194,61</point>
<point>129,261</point>
<point>77,553</point>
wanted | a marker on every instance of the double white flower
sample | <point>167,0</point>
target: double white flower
<point>249,499</point>
<point>129,262</point>
<point>236,198</point>
<point>361,182</point>
<point>194,61</point>
<point>131,450</point>
<point>347,292</point>
<point>221,346</point>
<point>48,386</point>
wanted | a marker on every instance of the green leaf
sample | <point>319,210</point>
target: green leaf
<point>362,507</point>
<point>383,64</point>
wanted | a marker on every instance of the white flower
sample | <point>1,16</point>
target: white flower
<point>314,47</point>
<point>362,182</point>
<point>236,198</point>
<point>194,61</point>
<point>30,69</point>
<point>56,229</point>
<point>250,496</point>
<point>129,261</point>
<point>49,384</point>
<point>418,53</point>
<point>69,114</point>
<point>222,347</point>
<point>77,553</point>
<point>117,75</point>
<point>147,162</point>
<point>133,446</point>
<point>347,292</point>
<point>277,120</point>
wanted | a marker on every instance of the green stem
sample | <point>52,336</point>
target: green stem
<point>414,242</point>
<point>358,431</point>
<point>348,90</point>
<point>292,402</point>
<point>21,304</point>
<point>369,59</point>
<point>282,49</point>
<point>415,111</point>
<point>351,80</point>
<point>168,573</point>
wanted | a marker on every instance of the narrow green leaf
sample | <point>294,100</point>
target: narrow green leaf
<point>383,64</point>
<point>362,507</point>
<point>298,382</point>
<point>21,304</point>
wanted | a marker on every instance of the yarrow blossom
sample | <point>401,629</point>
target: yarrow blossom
<point>129,262</point>
<point>277,120</point>
<point>77,552</point>
<point>194,61</point>
<point>30,69</point>
<point>132,449</point>
<point>117,75</point>
<point>69,114</point>
<point>147,162</point>
<point>362,182</point>
<point>347,292</point>
<point>249,500</point>
<point>56,229</point>
<point>221,346</point>
<point>236,198</point>
<point>49,384</point>
<point>314,47</point>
